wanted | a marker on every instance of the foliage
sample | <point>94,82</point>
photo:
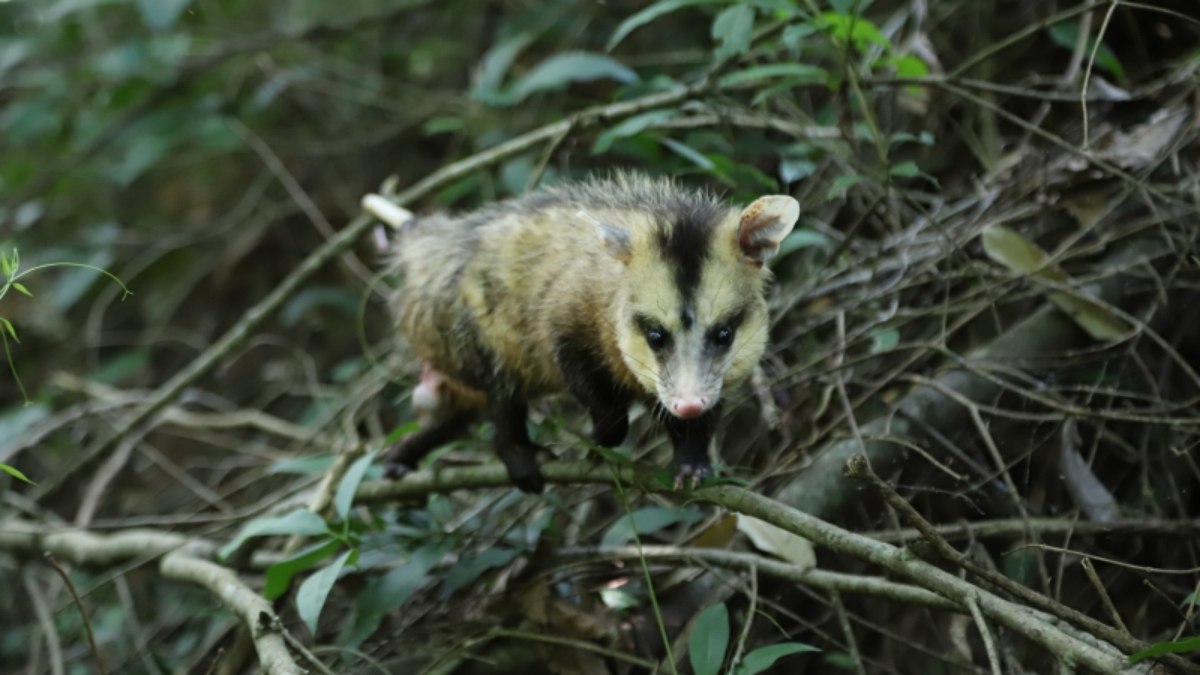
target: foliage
<point>202,151</point>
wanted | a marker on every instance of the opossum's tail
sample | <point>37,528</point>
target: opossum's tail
<point>393,216</point>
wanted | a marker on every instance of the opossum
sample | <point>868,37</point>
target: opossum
<point>614,290</point>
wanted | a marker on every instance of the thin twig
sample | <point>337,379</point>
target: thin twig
<point>839,609</point>
<point>859,469</point>
<point>1090,571</point>
<point>745,634</point>
<point>989,644</point>
<point>87,622</point>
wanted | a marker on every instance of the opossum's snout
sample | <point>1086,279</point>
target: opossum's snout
<point>688,407</point>
<point>689,387</point>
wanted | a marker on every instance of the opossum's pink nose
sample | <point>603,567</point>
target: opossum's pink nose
<point>687,408</point>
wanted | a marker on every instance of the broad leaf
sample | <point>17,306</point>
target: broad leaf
<point>310,598</point>
<point>649,14</point>
<point>279,575</point>
<point>709,640</point>
<point>300,522</point>
<point>470,568</point>
<point>630,127</point>
<point>732,30</point>
<point>764,657</point>
<point>802,73</point>
<point>646,521</point>
<point>560,70</point>
<point>344,498</point>
<point>1190,644</point>
<point>689,153</point>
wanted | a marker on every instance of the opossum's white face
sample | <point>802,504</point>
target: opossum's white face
<point>691,317</point>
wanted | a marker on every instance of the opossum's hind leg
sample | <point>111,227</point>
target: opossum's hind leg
<point>445,410</point>
<point>691,438</point>
<point>513,446</point>
<point>410,450</point>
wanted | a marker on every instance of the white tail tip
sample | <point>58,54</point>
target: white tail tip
<point>383,209</point>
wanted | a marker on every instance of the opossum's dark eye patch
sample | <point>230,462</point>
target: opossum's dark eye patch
<point>657,337</point>
<point>721,335</point>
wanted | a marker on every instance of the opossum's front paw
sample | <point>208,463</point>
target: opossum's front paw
<point>689,474</point>
<point>524,471</point>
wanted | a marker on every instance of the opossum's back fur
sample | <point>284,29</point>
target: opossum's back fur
<point>489,296</point>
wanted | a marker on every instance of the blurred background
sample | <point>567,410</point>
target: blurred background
<point>200,152</point>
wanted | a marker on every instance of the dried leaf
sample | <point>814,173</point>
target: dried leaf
<point>1024,257</point>
<point>778,542</point>
<point>1145,143</point>
<point>717,535</point>
<point>1086,490</point>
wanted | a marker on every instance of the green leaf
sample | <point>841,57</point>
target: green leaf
<point>884,340</point>
<point>10,329</point>
<point>902,137</point>
<point>862,32</point>
<point>344,498</point>
<point>630,127</point>
<point>560,70</point>
<point>279,575</point>
<point>384,595</point>
<point>311,596</point>
<point>1190,644</point>
<point>1017,253</point>
<point>649,14</point>
<point>842,184</point>
<point>15,473</point>
<point>793,35</point>
<point>402,431</point>
<point>802,73</point>
<point>689,153</point>
<point>764,657</point>
<point>709,640</point>
<point>159,14</point>
<point>909,65</point>
<point>732,29</point>
<point>469,568</point>
<point>801,239</point>
<point>301,522</point>
<point>794,169</point>
<point>495,65</point>
<point>647,521</point>
<point>905,170</point>
<point>21,289</point>
<point>304,466</point>
<point>1066,35</point>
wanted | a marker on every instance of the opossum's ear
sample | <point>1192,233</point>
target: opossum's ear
<point>616,239</point>
<point>763,225</point>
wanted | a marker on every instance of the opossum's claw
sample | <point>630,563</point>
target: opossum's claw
<point>690,474</point>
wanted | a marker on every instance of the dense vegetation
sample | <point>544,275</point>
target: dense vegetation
<point>991,295</point>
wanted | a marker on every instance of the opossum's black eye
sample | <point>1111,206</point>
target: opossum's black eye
<point>657,338</point>
<point>722,336</point>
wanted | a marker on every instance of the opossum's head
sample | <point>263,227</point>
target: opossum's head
<point>691,317</point>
